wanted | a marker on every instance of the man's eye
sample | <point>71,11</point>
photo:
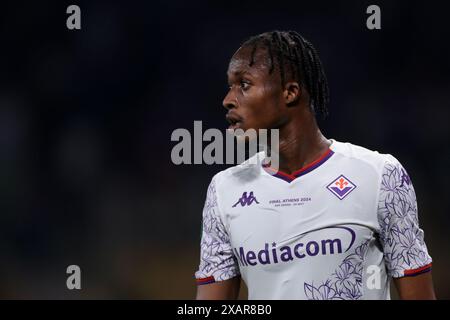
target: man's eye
<point>245,85</point>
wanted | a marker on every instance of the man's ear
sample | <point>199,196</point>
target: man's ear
<point>292,93</point>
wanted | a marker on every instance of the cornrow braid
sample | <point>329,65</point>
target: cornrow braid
<point>293,54</point>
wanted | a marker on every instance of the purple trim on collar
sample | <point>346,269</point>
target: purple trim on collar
<point>310,167</point>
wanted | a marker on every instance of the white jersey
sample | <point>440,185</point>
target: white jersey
<point>339,228</point>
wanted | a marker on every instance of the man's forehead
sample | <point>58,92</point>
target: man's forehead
<point>240,63</point>
<point>238,66</point>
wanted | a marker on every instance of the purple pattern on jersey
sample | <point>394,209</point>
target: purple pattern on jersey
<point>217,258</point>
<point>345,282</point>
<point>402,239</point>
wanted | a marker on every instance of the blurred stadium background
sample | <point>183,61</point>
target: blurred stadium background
<point>86,118</point>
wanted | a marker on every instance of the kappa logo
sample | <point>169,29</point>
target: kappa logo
<point>246,199</point>
<point>341,187</point>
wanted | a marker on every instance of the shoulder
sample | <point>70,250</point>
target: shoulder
<point>372,159</point>
<point>240,174</point>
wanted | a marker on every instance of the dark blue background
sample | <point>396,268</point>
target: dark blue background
<point>86,118</point>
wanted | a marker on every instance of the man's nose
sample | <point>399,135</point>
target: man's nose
<point>230,100</point>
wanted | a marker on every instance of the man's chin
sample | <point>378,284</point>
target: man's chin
<point>244,134</point>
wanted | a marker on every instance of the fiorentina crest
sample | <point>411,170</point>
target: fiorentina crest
<point>341,187</point>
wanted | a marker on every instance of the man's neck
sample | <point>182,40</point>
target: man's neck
<point>301,143</point>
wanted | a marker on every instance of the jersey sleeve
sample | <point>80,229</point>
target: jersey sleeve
<point>402,240</point>
<point>217,261</point>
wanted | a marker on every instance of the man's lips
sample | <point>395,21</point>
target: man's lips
<point>234,126</point>
<point>234,120</point>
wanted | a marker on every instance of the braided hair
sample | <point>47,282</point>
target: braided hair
<point>292,54</point>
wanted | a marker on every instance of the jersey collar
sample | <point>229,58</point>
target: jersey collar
<point>300,172</point>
